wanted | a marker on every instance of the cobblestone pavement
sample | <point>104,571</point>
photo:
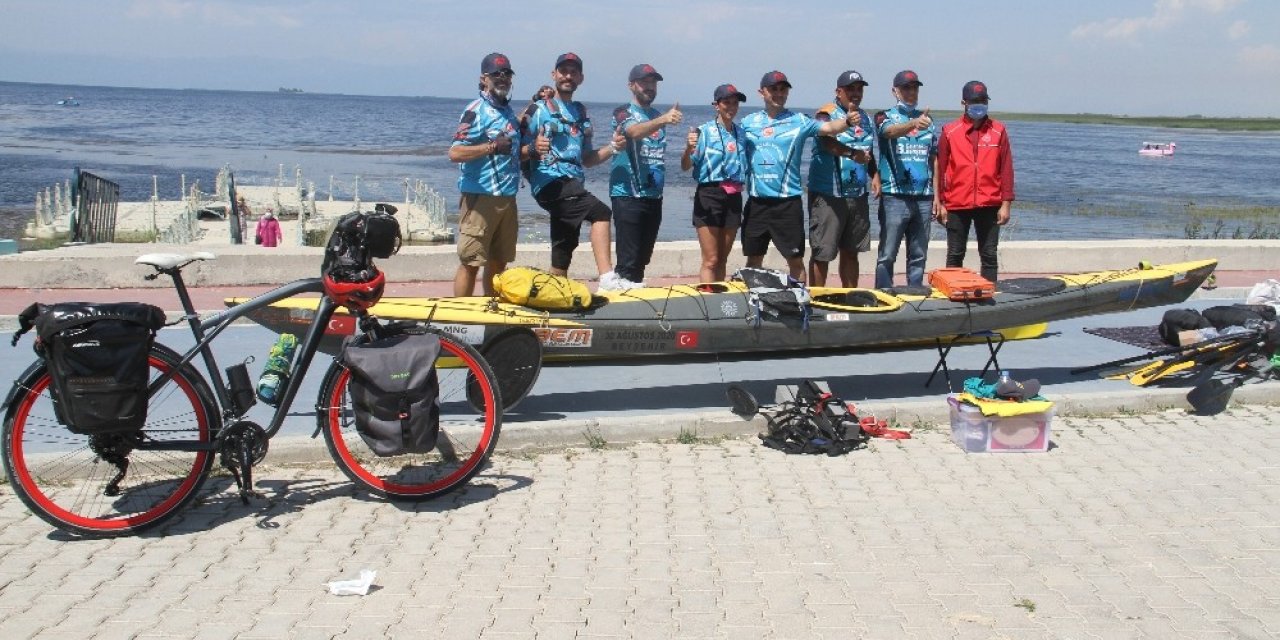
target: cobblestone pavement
<point>1159,526</point>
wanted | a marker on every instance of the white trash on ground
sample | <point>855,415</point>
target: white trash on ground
<point>357,587</point>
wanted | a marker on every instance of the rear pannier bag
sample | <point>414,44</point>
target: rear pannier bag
<point>774,295</point>
<point>395,393</point>
<point>97,355</point>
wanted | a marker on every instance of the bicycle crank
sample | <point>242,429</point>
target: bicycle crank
<point>244,444</point>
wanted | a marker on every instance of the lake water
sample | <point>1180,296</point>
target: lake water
<point>1073,181</point>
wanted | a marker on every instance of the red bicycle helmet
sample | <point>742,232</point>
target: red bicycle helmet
<point>356,296</point>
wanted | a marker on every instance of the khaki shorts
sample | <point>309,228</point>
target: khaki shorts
<point>487,229</point>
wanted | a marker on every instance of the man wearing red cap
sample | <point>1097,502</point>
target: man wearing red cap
<point>974,180</point>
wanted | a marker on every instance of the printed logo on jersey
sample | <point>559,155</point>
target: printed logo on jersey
<point>768,132</point>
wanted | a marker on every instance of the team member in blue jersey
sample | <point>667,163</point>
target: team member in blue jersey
<point>717,154</point>
<point>560,136</point>
<point>487,147</point>
<point>908,151</point>
<point>775,141</point>
<point>638,173</point>
<point>839,218</point>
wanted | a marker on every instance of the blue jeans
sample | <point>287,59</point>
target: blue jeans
<point>903,216</point>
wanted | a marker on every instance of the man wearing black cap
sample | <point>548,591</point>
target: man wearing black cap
<point>839,218</point>
<point>560,136</point>
<point>487,148</point>
<point>974,180</point>
<point>908,150</point>
<point>638,174</point>
<point>775,142</point>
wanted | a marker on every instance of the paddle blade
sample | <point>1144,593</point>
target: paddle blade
<point>1210,398</point>
<point>743,404</point>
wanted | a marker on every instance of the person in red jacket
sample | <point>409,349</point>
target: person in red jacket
<point>269,229</point>
<point>973,185</point>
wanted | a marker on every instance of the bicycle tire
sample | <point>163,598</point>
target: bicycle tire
<point>62,477</point>
<point>467,436</point>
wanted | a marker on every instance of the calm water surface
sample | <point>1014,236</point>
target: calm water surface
<point>1073,181</point>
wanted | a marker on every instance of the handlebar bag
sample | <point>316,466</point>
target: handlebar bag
<point>395,392</point>
<point>97,355</point>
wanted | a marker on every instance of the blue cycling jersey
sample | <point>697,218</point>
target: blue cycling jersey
<point>499,175</point>
<point>720,155</point>
<point>841,176</point>
<point>569,129</point>
<point>774,146</point>
<point>904,162</point>
<point>638,171</point>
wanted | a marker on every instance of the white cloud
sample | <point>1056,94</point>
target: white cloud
<point>1238,29</point>
<point>1165,14</point>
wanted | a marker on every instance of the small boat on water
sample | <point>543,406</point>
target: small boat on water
<point>1157,148</point>
<point>69,101</point>
<point>719,317</point>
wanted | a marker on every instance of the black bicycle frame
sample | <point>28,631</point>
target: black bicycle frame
<point>205,331</point>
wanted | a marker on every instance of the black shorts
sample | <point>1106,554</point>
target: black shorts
<point>569,204</point>
<point>778,219</point>
<point>712,207</point>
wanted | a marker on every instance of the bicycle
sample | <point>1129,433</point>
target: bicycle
<point>151,474</point>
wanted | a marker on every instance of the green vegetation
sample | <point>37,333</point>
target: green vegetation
<point>138,236</point>
<point>1205,222</point>
<point>594,438</point>
<point>1171,122</point>
<point>1026,603</point>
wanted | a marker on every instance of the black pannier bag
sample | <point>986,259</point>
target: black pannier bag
<point>774,294</point>
<point>97,358</point>
<point>394,392</point>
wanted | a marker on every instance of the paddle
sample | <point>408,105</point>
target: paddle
<point>1251,335</point>
<point>744,404</point>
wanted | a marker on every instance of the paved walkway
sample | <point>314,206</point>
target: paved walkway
<point>1132,526</point>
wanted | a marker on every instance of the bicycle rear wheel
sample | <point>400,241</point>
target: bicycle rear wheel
<point>467,435</point>
<point>64,477</point>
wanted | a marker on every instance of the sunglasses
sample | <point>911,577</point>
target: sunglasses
<point>504,73</point>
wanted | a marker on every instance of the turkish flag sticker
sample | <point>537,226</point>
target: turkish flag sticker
<point>686,339</point>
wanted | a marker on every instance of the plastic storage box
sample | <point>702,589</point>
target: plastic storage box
<point>976,433</point>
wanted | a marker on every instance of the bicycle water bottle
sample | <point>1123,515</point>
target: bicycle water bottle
<point>1004,379</point>
<point>275,375</point>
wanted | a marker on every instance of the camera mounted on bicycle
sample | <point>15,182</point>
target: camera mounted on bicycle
<point>350,277</point>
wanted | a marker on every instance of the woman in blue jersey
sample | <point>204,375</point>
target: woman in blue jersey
<point>716,153</point>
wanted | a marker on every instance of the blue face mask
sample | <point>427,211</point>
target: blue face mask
<point>907,106</point>
<point>976,111</point>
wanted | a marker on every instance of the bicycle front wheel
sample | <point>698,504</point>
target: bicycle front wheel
<point>70,480</point>
<point>468,433</point>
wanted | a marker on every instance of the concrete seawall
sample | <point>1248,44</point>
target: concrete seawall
<point>111,265</point>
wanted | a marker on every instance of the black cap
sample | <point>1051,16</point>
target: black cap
<point>569,58</point>
<point>495,62</point>
<point>1018,390</point>
<point>726,91</point>
<point>974,90</point>
<point>907,77</point>
<point>774,78</point>
<point>642,71</point>
<point>850,77</point>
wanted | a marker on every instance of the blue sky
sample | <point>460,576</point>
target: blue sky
<point>1145,57</point>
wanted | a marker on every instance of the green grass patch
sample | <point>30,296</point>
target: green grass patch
<point>1169,122</point>
<point>136,236</point>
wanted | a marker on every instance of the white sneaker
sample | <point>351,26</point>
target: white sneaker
<point>625,284</point>
<point>609,282</point>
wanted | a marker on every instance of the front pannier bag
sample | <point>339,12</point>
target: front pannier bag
<point>395,393</point>
<point>97,358</point>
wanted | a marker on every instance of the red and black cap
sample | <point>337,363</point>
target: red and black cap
<point>728,91</point>
<point>494,63</point>
<point>974,90</point>
<point>568,58</point>
<point>774,78</point>
<point>906,78</point>
<point>642,71</point>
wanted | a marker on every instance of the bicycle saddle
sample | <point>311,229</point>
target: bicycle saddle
<point>171,260</point>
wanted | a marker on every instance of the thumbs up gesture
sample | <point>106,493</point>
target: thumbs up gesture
<point>543,142</point>
<point>673,115</point>
<point>924,120</point>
